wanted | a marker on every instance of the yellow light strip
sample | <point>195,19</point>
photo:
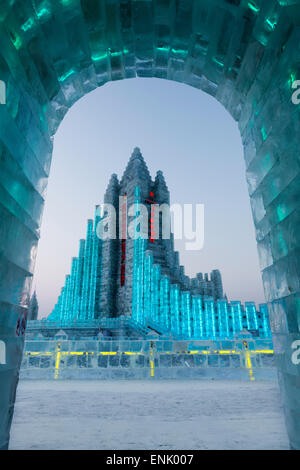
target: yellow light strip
<point>132,353</point>
<point>268,351</point>
<point>104,353</point>
<point>39,354</point>
<point>249,364</point>
<point>212,352</point>
<point>59,353</point>
<point>151,361</point>
<point>57,364</point>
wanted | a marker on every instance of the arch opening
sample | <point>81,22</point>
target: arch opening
<point>181,132</point>
<point>245,54</point>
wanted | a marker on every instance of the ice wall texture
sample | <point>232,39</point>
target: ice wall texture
<point>245,54</point>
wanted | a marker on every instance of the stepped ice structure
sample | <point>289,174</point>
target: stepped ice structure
<point>245,53</point>
<point>141,278</point>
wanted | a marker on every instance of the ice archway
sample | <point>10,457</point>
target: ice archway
<point>244,53</point>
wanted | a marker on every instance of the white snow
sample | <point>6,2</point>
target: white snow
<point>161,415</point>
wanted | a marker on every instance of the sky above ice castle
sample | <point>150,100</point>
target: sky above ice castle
<point>181,131</point>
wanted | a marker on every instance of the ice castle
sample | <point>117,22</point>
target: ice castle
<point>140,279</point>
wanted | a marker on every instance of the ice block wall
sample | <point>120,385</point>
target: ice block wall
<point>244,53</point>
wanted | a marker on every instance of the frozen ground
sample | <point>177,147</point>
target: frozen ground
<point>161,415</point>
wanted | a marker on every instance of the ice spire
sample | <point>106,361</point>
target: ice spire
<point>136,167</point>
<point>34,307</point>
<point>161,189</point>
<point>112,191</point>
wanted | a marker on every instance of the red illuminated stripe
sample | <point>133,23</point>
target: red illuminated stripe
<point>152,219</point>
<point>123,243</point>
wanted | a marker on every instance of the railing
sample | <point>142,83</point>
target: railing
<point>145,359</point>
<point>99,323</point>
<point>119,323</point>
<point>109,323</point>
<point>59,325</point>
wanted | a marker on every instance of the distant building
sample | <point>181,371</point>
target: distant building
<point>141,278</point>
<point>33,308</point>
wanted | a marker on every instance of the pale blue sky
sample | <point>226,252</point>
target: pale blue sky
<point>181,131</point>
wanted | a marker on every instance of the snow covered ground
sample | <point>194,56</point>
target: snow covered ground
<point>161,415</point>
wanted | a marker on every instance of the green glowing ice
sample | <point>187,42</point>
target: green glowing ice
<point>240,52</point>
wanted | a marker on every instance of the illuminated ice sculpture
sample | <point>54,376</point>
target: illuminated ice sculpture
<point>244,53</point>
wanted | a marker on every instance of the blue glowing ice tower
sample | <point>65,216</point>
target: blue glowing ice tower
<point>78,297</point>
<point>138,274</point>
